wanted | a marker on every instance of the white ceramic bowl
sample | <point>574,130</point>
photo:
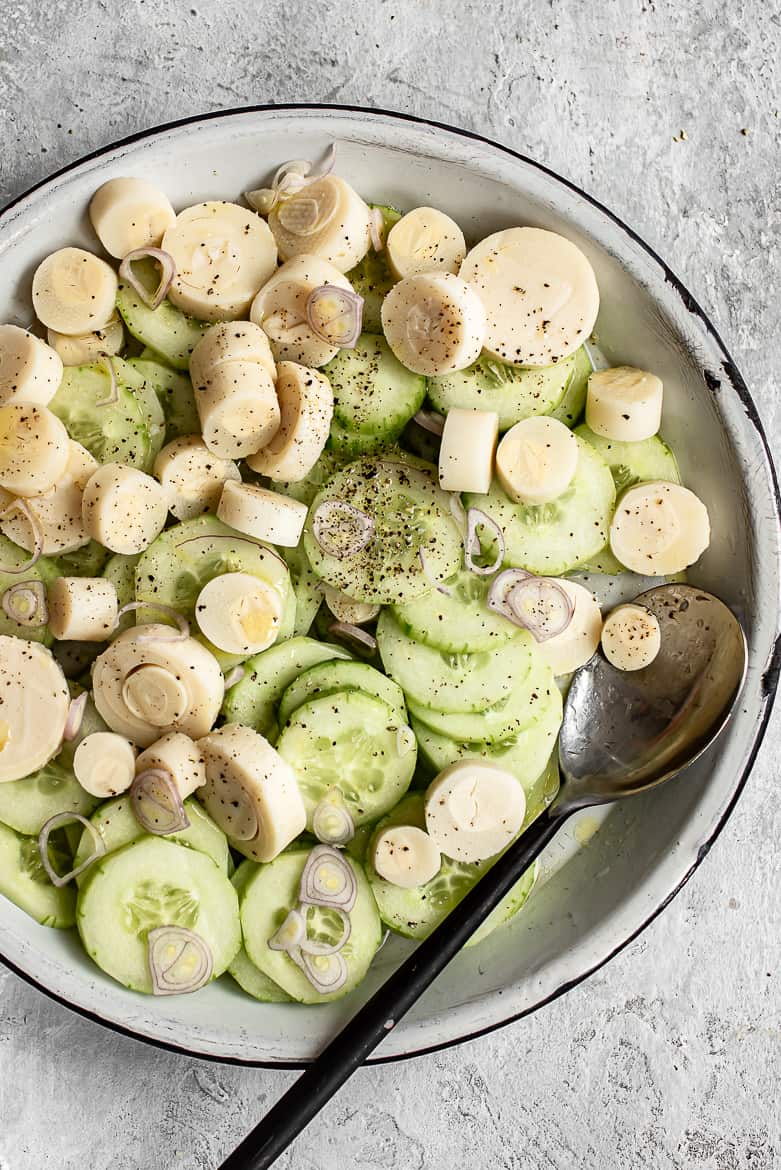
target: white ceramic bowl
<point>601,892</point>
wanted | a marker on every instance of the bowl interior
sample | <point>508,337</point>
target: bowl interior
<point>600,887</point>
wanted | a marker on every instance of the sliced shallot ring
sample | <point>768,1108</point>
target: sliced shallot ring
<point>167,273</point>
<point>310,946</point>
<point>336,967</point>
<point>75,717</point>
<point>313,890</point>
<point>56,822</point>
<point>500,589</point>
<point>541,606</point>
<point>458,512</point>
<point>164,968</point>
<point>337,513</point>
<point>234,676</point>
<point>360,637</point>
<point>376,228</point>
<point>157,803</point>
<point>332,823</point>
<point>35,593</point>
<point>405,740</point>
<point>475,517</point>
<point>432,580</point>
<point>289,179</point>
<point>113,395</point>
<point>22,508</point>
<point>290,933</point>
<point>431,421</point>
<point>342,327</point>
<point>178,636</point>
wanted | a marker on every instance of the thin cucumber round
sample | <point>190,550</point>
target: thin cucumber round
<point>630,463</point>
<point>550,539</point>
<point>374,394</point>
<point>121,571</point>
<point>154,418</point>
<point>268,897</point>
<point>452,682</point>
<point>572,405</point>
<point>353,742</point>
<point>175,394</point>
<point>114,432</point>
<point>24,882</point>
<point>117,826</point>
<point>459,621</point>
<point>45,569</point>
<point>82,562</point>
<point>410,517</point>
<point>249,977</point>
<point>254,699</point>
<point>372,278</point>
<point>328,677</point>
<point>306,586</point>
<point>26,805</point>
<point>348,445</point>
<point>166,330</point>
<point>514,393</point>
<point>148,884</point>
<point>415,912</point>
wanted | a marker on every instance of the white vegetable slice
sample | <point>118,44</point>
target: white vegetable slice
<point>659,528</point>
<point>238,410</point>
<point>223,255</point>
<point>230,341</point>
<point>239,613</point>
<point>34,449</point>
<point>577,643</point>
<point>473,810</point>
<point>624,404</point>
<point>146,684</point>
<point>123,508</point>
<point>74,291</point>
<point>180,757</point>
<point>466,452</point>
<point>536,460</point>
<point>34,705</point>
<point>30,370</point>
<point>263,514</point>
<point>434,323</point>
<point>104,764</point>
<point>280,309</point>
<point>327,219</point>
<point>56,512</point>
<point>425,240</point>
<point>306,404</point>
<point>88,347</point>
<point>82,609</point>
<point>539,291</point>
<point>192,477</point>
<point>631,637</point>
<point>406,856</point>
<point>346,609</point>
<point>128,214</point>
<point>250,791</point>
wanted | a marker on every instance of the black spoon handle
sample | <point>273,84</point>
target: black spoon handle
<point>350,1048</point>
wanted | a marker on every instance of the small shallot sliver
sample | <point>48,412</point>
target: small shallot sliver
<point>290,933</point>
<point>432,580</point>
<point>500,589</point>
<point>180,961</point>
<point>326,973</point>
<point>67,818</point>
<point>335,315</point>
<point>328,880</point>
<point>23,509</point>
<point>332,823</point>
<point>113,393</point>
<point>405,740</point>
<point>167,274</point>
<point>474,519</point>
<point>178,635</point>
<point>431,421</point>
<point>75,717</point>
<point>541,606</point>
<point>376,228</point>
<point>340,529</point>
<point>235,676</point>
<point>157,803</point>
<point>361,638</point>
<point>289,179</point>
<point>25,603</point>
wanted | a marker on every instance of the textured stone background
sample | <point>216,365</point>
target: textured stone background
<point>671,1056</point>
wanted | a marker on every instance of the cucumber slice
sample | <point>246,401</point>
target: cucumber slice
<point>115,432</point>
<point>513,392</point>
<point>271,892</point>
<point>573,403</point>
<point>45,569</point>
<point>24,882</point>
<point>415,912</point>
<point>306,586</point>
<point>82,562</point>
<point>350,741</point>
<point>372,278</point>
<point>630,463</point>
<point>148,884</point>
<point>121,571</point>
<point>26,805</point>
<point>456,622</point>
<point>329,677</point>
<point>154,418</point>
<point>411,516</point>
<point>537,699</point>
<point>306,489</point>
<point>175,394</point>
<point>249,977</point>
<point>348,445</point>
<point>166,330</point>
<point>116,824</point>
<point>452,682</point>
<point>553,538</point>
<point>253,700</point>
<point>374,394</point>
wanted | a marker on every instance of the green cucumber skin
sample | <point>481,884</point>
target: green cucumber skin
<point>166,330</point>
<point>115,432</point>
<point>26,805</point>
<point>24,882</point>
<point>329,677</point>
<point>512,392</point>
<point>374,394</point>
<point>631,463</point>
<point>250,978</point>
<point>175,394</point>
<point>458,622</point>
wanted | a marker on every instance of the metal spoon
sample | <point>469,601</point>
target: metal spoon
<point>623,732</point>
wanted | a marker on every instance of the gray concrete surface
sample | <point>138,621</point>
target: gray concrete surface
<point>671,1056</point>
